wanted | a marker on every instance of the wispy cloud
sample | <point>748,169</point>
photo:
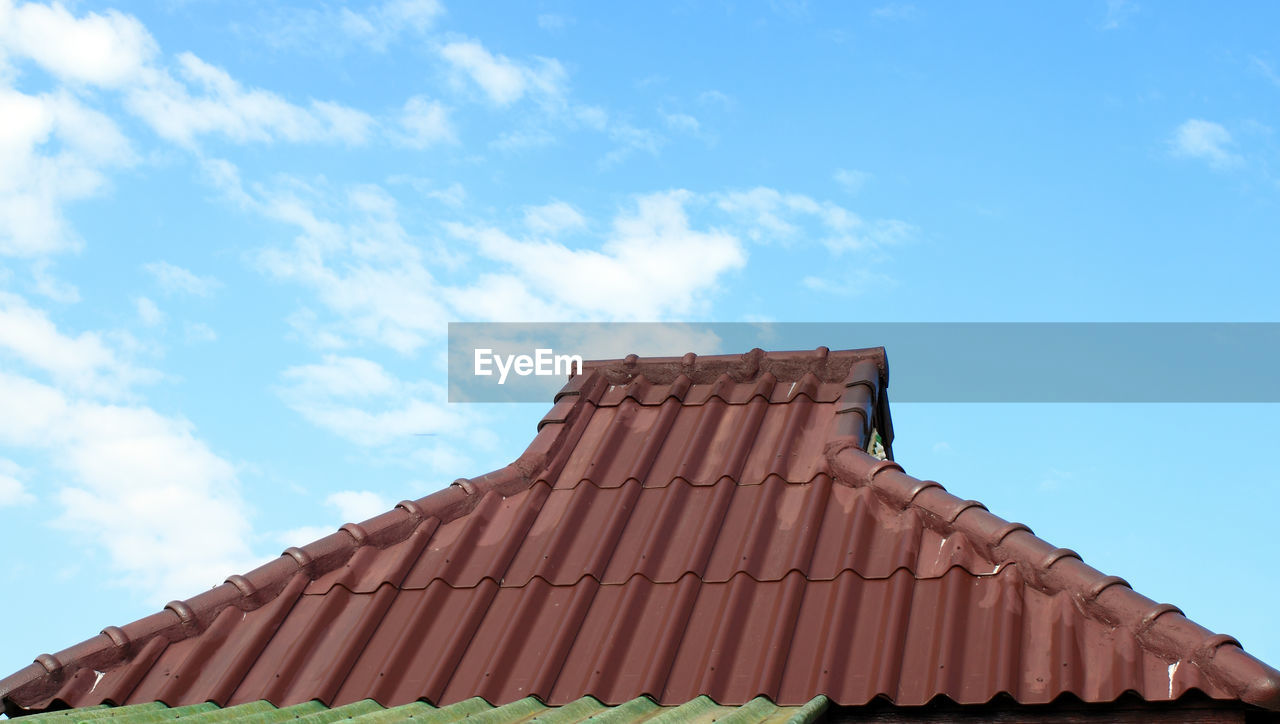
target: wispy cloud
<point>895,11</point>
<point>848,282</point>
<point>380,24</point>
<point>1206,141</point>
<point>174,279</point>
<point>148,312</point>
<point>53,150</point>
<point>198,332</point>
<point>553,218</point>
<point>682,122</point>
<point>715,97</point>
<point>211,102</point>
<point>626,278</point>
<point>1118,11</point>
<point>425,123</point>
<point>364,269</point>
<point>359,400</point>
<point>502,79</point>
<point>12,490</point>
<point>523,139</point>
<point>139,485</point>
<point>1265,69</point>
<point>553,21</point>
<point>86,362</point>
<point>350,506</point>
<point>851,180</point>
<point>770,215</point>
<point>327,30</point>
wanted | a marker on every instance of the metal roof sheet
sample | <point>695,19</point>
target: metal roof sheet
<point>679,527</point>
<point>474,711</point>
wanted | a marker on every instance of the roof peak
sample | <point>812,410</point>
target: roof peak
<point>785,366</point>
<point>629,409</point>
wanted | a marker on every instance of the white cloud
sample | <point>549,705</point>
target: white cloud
<point>453,195</point>
<point>629,278</point>
<point>523,139</point>
<point>53,150</point>
<point>85,363</point>
<point>381,24</point>
<point>357,399</point>
<point>110,49</point>
<point>1118,11</point>
<point>895,11</point>
<point>377,283</point>
<point>351,506</point>
<point>682,122</point>
<point>148,312</point>
<point>765,209</point>
<point>197,332</point>
<point>367,272</point>
<point>772,215</point>
<point>341,377</point>
<point>553,218</point>
<point>715,97</point>
<point>551,21</point>
<point>143,488</point>
<point>12,491</point>
<point>1266,70</point>
<point>847,283</point>
<point>504,298</point>
<point>1204,140</point>
<point>173,278</point>
<point>425,123</point>
<point>48,285</point>
<point>357,505</point>
<point>242,115</point>
<point>630,138</point>
<point>323,29</point>
<point>503,80</point>
<point>850,179</point>
<point>1054,479</point>
<point>305,534</point>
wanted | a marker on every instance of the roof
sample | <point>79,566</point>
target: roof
<point>475,711</point>
<point>678,527</point>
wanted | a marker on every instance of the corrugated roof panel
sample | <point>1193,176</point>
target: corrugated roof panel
<point>700,444</point>
<point>415,651</point>
<point>679,528</point>
<point>765,529</point>
<point>474,711</point>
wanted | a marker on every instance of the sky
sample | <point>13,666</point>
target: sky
<point>232,235</point>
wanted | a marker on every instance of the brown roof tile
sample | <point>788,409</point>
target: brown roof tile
<point>678,527</point>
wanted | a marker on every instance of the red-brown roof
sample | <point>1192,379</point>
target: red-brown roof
<point>678,527</point>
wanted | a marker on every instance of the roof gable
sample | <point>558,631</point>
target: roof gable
<point>678,527</point>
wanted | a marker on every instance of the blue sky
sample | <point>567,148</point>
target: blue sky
<point>232,235</point>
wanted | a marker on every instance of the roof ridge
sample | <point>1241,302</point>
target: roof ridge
<point>846,570</point>
<point>185,618</point>
<point>1159,628</point>
<point>786,366</point>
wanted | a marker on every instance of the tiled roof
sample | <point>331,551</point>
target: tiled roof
<point>679,527</point>
<point>473,711</point>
